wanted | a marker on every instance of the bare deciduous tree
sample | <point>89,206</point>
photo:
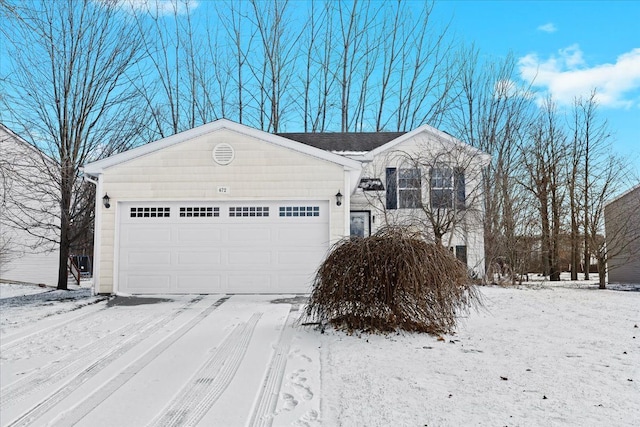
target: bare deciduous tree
<point>233,18</point>
<point>68,92</point>
<point>600,175</point>
<point>543,157</point>
<point>274,65</point>
<point>492,113</point>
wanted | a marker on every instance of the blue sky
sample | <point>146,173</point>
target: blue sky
<point>570,47</point>
<point>565,48</point>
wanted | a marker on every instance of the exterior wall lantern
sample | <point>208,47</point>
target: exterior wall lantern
<point>105,201</point>
<point>339,198</point>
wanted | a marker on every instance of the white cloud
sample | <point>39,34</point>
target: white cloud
<point>567,75</point>
<point>549,27</point>
<point>156,7</point>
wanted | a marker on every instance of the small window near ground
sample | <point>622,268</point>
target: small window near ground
<point>248,211</point>
<point>299,211</point>
<point>461,254</point>
<point>197,211</point>
<point>151,212</point>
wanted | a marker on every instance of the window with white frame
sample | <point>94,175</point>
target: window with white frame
<point>404,188</point>
<point>447,188</point>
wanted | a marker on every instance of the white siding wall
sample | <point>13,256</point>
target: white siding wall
<point>25,257</point>
<point>425,147</point>
<point>186,171</point>
<point>622,227</point>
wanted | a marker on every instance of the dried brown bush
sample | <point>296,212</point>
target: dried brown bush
<point>389,281</point>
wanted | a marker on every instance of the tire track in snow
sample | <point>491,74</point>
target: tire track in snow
<point>87,405</point>
<point>268,398</point>
<point>109,355</point>
<point>210,381</point>
<point>70,364</point>
<point>17,340</point>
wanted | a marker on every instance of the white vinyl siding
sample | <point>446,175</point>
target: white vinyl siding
<point>260,171</point>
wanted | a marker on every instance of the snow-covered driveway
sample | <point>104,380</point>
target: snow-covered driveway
<point>563,354</point>
<point>188,360</point>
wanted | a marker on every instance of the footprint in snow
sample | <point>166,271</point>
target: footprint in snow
<point>304,391</point>
<point>289,402</point>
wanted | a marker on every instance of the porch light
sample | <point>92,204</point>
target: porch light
<point>105,201</point>
<point>339,198</point>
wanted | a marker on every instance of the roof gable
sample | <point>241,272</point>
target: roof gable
<point>98,166</point>
<point>11,136</point>
<point>634,189</point>
<point>436,134</point>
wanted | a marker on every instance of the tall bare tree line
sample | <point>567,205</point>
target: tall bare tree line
<point>551,173</point>
<point>89,78</point>
<point>327,65</point>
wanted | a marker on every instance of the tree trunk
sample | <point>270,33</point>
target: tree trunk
<point>546,239</point>
<point>66,193</point>
<point>602,273</point>
<point>63,272</point>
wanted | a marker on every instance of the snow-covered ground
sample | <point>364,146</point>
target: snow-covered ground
<point>547,354</point>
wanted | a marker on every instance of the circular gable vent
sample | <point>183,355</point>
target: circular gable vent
<point>223,154</point>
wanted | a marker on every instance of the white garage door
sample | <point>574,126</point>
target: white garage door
<point>247,247</point>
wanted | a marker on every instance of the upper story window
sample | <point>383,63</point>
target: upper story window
<point>404,188</point>
<point>447,188</point>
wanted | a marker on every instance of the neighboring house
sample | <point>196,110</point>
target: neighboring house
<point>28,220</point>
<point>227,208</point>
<point>622,229</point>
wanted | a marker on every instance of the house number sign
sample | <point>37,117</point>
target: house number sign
<point>224,190</point>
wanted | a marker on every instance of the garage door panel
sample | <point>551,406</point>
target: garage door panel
<point>149,282</point>
<point>301,234</point>
<point>199,283</point>
<point>202,259</point>
<point>242,234</point>
<point>200,235</point>
<point>214,254</point>
<point>138,259</point>
<point>249,258</point>
<point>149,234</point>
<point>294,258</point>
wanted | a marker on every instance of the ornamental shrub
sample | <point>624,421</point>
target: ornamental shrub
<point>393,280</point>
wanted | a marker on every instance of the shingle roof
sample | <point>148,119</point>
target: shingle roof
<point>344,141</point>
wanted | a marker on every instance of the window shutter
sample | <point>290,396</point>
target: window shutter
<point>459,185</point>
<point>392,188</point>
<point>435,196</point>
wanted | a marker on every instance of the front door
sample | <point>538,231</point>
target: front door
<point>360,223</point>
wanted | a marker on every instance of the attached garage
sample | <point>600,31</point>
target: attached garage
<point>223,247</point>
<point>222,208</point>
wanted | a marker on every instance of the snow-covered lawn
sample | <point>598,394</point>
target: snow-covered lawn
<point>566,354</point>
